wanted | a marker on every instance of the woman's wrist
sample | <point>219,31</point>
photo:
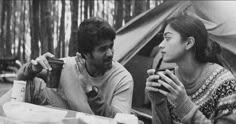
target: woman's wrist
<point>185,107</point>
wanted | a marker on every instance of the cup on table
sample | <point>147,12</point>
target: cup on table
<point>18,91</point>
<point>54,75</point>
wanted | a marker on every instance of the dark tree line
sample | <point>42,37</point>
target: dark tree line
<point>29,28</point>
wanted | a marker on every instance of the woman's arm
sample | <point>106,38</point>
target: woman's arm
<point>160,110</point>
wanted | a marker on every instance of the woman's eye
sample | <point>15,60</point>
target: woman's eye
<point>167,38</point>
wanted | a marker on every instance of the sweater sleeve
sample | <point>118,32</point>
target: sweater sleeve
<point>160,111</point>
<point>224,112</point>
<point>26,73</point>
<point>121,101</point>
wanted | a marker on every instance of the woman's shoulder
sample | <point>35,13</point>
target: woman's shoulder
<point>219,73</point>
<point>222,79</point>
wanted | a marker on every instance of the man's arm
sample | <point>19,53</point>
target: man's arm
<point>121,102</point>
<point>74,93</point>
<point>35,67</point>
<point>26,72</point>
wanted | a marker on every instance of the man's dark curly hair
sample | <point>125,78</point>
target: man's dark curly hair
<point>91,32</point>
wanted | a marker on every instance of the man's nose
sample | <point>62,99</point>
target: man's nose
<point>109,52</point>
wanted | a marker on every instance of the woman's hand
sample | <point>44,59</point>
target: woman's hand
<point>151,81</point>
<point>152,86</point>
<point>177,92</point>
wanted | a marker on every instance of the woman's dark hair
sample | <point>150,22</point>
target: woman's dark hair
<point>188,26</point>
<point>91,32</point>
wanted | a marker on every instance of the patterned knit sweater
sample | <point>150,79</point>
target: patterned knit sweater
<point>212,100</point>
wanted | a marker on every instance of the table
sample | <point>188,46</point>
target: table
<point>72,117</point>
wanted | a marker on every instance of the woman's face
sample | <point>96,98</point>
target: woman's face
<point>172,47</point>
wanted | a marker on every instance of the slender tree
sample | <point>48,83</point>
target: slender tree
<point>21,33</point>
<point>8,39</point>
<point>91,8</point>
<point>23,59</point>
<point>86,7</point>
<point>14,11</point>
<point>127,10</point>
<point>148,4</point>
<point>46,27</point>
<point>139,7</point>
<point>1,7</point>
<point>34,29</point>
<point>3,27</point>
<point>74,25</point>
<point>61,43</point>
<point>118,13</point>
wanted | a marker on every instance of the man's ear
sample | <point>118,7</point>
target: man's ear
<point>190,43</point>
<point>86,55</point>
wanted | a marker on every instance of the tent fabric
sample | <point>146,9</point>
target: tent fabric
<point>139,31</point>
<point>218,17</point>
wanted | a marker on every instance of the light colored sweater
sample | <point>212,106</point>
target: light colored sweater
<point>115,90</point>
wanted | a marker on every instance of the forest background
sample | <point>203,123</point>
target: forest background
<point>29,28</point>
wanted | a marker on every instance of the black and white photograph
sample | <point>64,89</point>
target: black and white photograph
<point>117,62</point>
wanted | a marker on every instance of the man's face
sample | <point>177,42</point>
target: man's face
<point>102,55</point>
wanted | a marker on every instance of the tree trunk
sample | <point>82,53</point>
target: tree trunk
<point>8,29</point>
<point>118,13</point>
<point>139,7</point>
<point>86,6</point>
<point>2,15</point>
<point>23,59</point>
<point>60,47</point>
<point>127,10</point>
<point>46,36</point>
<point>73,48</point>
<point>147,4</point>
<point>4,28</point>
<point>1,8</point>
<point>21,36</point>
<point>34,29</point>
<point>81,9</point>
<point>91,8</point>
<point>103,9</point>
<point>14,27</point>
<point>62,31</point>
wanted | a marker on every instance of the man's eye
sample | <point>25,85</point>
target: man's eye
<point>111,46</point>
<point>103,49</point>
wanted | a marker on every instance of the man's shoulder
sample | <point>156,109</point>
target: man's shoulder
<point>119,70</point>
<point>69,63</point>
<point>117,66</point>
<point>68,58</point>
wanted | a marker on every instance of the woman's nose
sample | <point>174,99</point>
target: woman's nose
<point>161,45</point>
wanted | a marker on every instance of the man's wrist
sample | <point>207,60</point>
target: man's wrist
<point>93,92</point>
<point>33,70</point>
